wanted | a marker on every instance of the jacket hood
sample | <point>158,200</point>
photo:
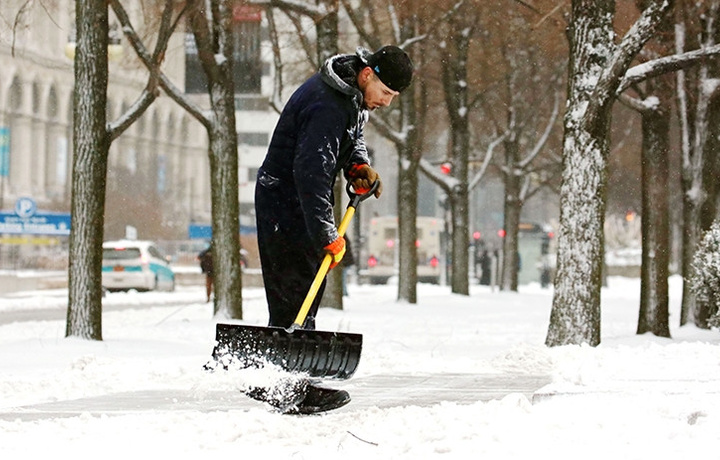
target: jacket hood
<point>340,72</point>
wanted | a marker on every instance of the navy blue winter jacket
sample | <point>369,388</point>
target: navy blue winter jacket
<point>320,132</point>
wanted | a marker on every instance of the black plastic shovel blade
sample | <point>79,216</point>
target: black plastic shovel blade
<point>331,355</point>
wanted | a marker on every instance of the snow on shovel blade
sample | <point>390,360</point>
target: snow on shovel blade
<point>331,355</point>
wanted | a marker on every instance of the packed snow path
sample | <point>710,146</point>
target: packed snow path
<point>381,391</point>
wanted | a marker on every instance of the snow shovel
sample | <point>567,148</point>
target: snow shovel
<point>324,354</point>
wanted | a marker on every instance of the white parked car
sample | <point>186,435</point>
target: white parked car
<point>139,265</point>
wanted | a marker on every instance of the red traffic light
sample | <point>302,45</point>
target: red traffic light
<point>446,168</point>
<point>372,261</point>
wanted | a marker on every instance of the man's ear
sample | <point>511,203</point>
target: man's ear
<point>364,76</point>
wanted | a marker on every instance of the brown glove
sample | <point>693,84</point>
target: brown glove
<point>362,178</point>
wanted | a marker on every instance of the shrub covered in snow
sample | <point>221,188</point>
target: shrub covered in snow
<point>705,282</point>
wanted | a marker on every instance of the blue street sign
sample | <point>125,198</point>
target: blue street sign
<point>27,220</point>
<point>4,151</point>
<point>42,223</point>
<point>200,232</point>
<point>204,231</point>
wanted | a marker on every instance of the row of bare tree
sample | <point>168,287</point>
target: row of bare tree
<point>493,71</point>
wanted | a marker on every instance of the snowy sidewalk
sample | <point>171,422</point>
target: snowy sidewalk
<point>381,391</point>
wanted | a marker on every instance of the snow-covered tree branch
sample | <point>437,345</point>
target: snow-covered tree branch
<point>664,65</point>
<point>314,11</point>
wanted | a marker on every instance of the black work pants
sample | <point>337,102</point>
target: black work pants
<point>289,261</point>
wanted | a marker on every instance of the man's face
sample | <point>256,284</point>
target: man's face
<point>375,93</point>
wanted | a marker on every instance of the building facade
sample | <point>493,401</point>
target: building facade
<point>163,154</point>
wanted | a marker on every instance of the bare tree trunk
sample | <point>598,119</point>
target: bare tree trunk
<point>460,283</point>
<point>695,139</point>
<point>455,74</point>
<point>711,212</point>
<point>511,218</point>
<point>409,154</point>
<point>400,126</point>
<point>213,36</point>
<point>654,315</point>
<point>92,136</point>
<point>212,32</point>
<point>225,205</point>
<point>333,294</point>
<point>91,142</point>
<point>327,46</point>
<point>398,22</point>
<point>575,315</point>
<point>407,215</point>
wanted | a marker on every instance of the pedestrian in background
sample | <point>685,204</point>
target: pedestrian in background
<point>206,266</point>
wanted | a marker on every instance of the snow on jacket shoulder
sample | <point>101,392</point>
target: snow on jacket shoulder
<point>320,132</point>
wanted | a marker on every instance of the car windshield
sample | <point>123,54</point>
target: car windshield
<point>121,253</point>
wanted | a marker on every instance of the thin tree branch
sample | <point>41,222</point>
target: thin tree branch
<point>16,24</point>
<point>638,104</point>
<point>486,161</point>
<point>276,101</point>
<point>664,65</point>
<point>357,20</point>
<point>542,19</point>
<point>682,100</point>
<point>316,12</point>
<point>307,45</point>
<point>447,183</point>
<point>146,98</point>
<point>546,134</point>
<point>170,89</point>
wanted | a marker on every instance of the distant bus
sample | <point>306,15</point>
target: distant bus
<point>382,249</point>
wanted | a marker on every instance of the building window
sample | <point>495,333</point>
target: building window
<point>246,57</point>
<point>247,66</point>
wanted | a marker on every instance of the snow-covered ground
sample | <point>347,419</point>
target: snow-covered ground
<point>142,393</point>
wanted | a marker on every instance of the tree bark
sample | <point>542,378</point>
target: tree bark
<point>92,143</point>
<point>511,217</point>
<point>213,37</point>
<point>575,315</point>
<point>455,76</point>
<point>595,70</point>
<point>407,196</point>
<point>654,272</point>
<point>327,46</point>
<point>694,193</point>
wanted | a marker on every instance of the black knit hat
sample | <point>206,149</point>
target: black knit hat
<point>393,66</point>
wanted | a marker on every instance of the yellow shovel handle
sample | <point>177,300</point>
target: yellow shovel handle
<point>355,200</point>
<point>324,267</point>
